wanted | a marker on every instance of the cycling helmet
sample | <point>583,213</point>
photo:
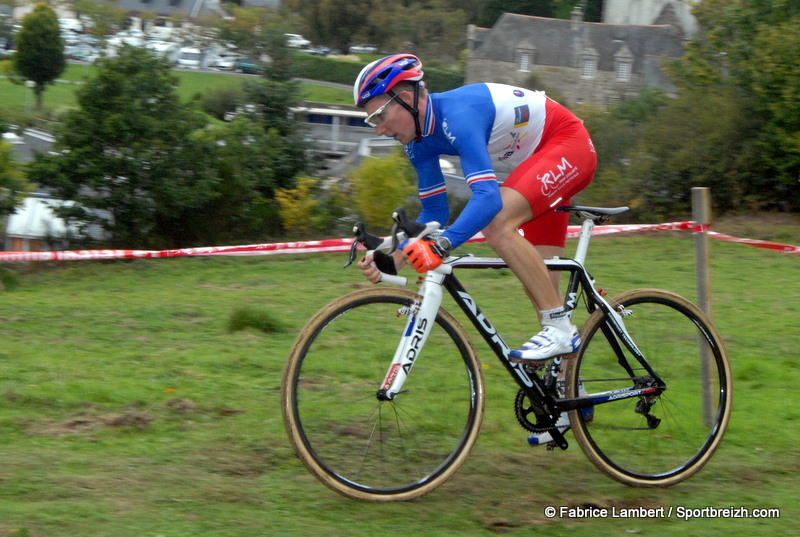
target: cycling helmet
<point>381,75</point>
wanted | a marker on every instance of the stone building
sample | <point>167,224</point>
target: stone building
<point>677,13</point>
<point>579,61</point>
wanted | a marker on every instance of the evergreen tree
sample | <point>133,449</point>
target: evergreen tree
<point>40,50</point>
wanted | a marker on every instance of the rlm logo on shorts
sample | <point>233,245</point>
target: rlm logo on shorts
<point>556,178</point>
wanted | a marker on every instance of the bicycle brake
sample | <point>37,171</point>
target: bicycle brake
<point>369,241</point>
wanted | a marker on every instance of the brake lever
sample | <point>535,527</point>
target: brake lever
<point>370,242</point>
<point>412,228</point>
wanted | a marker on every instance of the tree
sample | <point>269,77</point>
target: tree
<point>747,49</point>
<point>694,140</point>
<point>333,22</point>
<point>13,185</point>
<point>40,50</point>
<point>134,152</point>
<point>130,151</point>
<point>492,9</point>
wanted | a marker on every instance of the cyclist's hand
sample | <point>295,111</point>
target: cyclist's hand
<point>373,264</point>
<point>426,254</point>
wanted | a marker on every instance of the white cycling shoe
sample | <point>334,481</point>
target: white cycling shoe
<point>548,343</point>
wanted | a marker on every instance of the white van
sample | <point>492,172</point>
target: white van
<point>190,57</point>
<point>297,41</point>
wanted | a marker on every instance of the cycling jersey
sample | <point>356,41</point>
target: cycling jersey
<point>485,122</point>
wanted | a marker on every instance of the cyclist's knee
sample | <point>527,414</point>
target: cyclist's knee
<point>498,230</point>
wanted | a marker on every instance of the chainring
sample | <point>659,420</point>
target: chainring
<point>524,410</point>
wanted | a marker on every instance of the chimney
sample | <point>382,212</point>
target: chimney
<point>576,18</point>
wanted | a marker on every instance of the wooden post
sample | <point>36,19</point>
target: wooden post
<point>701,214</point>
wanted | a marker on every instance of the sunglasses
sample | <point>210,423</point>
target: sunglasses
<point>375,119</point>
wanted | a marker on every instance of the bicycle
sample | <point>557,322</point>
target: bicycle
<point>648,393</point>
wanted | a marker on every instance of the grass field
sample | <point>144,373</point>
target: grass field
<point>17,100</point>
<point>129,408</point>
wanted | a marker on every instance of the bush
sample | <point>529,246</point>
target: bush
<point>219,101</point>
<point>380,186</point>
<point>312,205</point>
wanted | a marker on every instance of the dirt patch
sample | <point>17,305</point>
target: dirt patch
<point>86,423</point>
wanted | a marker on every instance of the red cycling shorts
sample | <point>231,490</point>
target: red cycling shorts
<point>561,166</point>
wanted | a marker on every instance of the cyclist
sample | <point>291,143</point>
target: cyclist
<point>554,158</point>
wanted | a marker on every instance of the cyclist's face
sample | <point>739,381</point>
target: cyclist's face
<point>393,120</point>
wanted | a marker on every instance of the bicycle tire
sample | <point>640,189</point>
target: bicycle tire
<point>358,445</point>
<point>693,413</point>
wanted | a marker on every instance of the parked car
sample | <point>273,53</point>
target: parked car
<point>81,53</point>
<point>190,57</point>
<point>226,61</point>
<point>297,41</point>
<point>319,51</point>
<point>363,49</point>
<point>247,66</point>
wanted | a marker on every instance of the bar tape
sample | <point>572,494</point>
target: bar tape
<point>343,245</point>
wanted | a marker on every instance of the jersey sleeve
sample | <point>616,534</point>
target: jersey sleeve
<point>432,191</point>
<point>469,141</point>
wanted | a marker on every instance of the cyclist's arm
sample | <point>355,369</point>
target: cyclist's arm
<point>485,202</point>
<point>432,191</point>
<point>483,205</point>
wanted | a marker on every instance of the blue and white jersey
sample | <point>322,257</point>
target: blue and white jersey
<point>480,123</point>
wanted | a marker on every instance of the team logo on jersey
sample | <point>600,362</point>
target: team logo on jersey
<point>522,114</point>
<point>555,179</point>
<point>519,93</point>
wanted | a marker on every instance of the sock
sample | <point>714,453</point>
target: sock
<point>557,318</point>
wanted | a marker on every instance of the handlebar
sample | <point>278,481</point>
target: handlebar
<point>403,228</point>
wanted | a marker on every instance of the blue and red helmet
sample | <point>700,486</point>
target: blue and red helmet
<point>381,76</point>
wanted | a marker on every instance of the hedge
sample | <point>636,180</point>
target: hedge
<point>346,71</point>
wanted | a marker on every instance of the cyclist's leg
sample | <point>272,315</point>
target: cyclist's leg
<point>522,258</point>
<point>562,166</point>
<point>548,234</point>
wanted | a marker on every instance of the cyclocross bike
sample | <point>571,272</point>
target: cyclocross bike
<point>648,393</point>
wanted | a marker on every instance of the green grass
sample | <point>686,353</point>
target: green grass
<point>17,101</point>
<point>129,408</point>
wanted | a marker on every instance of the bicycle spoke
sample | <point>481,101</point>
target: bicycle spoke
<point>367,448</point>
<point>655,439</point>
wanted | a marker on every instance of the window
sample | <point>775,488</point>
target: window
<point>623,71</point>
<point>589,68</point>
<point>524,62</point>
<point>524,57</point>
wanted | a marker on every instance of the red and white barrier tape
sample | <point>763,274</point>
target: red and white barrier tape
<point>343,245</point>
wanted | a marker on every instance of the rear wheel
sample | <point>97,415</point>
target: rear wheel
<point>350,439</point>
<point>652,440</point>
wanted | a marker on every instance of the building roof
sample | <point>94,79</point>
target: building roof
<point>559,42</point>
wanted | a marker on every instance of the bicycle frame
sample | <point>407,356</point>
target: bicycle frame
<point>423,315</point>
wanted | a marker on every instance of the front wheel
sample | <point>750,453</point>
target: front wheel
<point>351,440</point>
<point>652,440</point>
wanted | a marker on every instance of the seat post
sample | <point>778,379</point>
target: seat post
<point>583,240</point>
